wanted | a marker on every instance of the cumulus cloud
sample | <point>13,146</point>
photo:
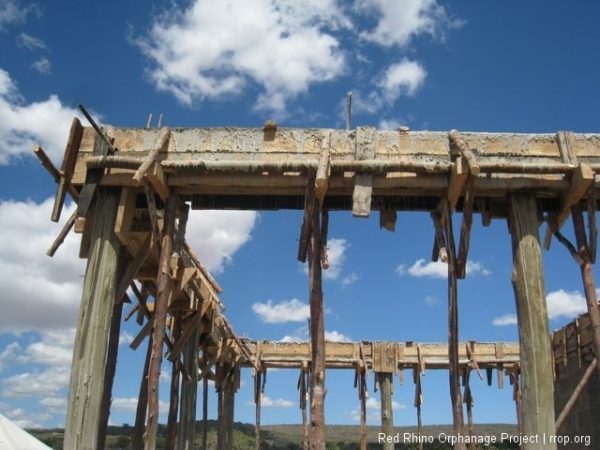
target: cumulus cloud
<point>217,235</point>
<point>276,403</point>
<point>405,77</point>
<point>438,269</point>
<point>506,319</point>
<point>216,49</point>
<point>561,305</point>
<point>373,410</point>
<point>129,405</point>
<point>336,253</point>
<point>336,336</point>
<point>282,48</point>
<point>400,22</point>
<point>286,311</point>
<point>30,280</point>
<point>24,124</point>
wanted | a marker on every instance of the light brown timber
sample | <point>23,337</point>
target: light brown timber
<point>530,295</point>
<point>386,388</point>
<point>91,343</point>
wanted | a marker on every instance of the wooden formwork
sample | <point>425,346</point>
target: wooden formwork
<point>152,177</point>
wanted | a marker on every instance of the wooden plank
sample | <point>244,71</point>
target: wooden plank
<point>387,219</point>
<point>309,206</point>
<point>133,268</point>
<point>467,153</point>
<point>53,171</point>
<point>456,183</point>
<point>161,145</point>
<point>530,295</point>
<point>158,179</point>
<point>386,384</point>
<point>62,235</point>
<point>362,194</point>
<point>323,169</point>
<point>68,167</point>
<point>465,230</point>
<point>125,214</point>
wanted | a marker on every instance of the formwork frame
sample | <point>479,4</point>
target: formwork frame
<point>134,187</point>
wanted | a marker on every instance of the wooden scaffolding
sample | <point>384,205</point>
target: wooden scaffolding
<point>134,188</point>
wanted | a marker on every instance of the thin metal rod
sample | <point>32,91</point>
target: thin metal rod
<point>97,129</point>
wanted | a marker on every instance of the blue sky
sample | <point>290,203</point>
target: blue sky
<point>426,64</point>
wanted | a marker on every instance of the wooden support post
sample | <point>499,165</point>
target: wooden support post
<point>139,429</point>
<point>453,358</point>
<point>309,208</point>
<point>174,394</point>
<point>303,384</point>
<point>363,408</point>
<point>317,335</point>
<point>468,396</point>
<point>386,388</point>
<point>587,275</point>
<point>534,340</point>
<point>258,394</point>
<point>465,230</point>
<point>161,145</point>
<point>111,368</point>
<point>91,343</point>
<point>189,390</point>
<point>62,235</point>
<point>323,169</point>
<point>160,315</point>
<point>227,415</point>
<point>204,413</point>
<point>418,403</point>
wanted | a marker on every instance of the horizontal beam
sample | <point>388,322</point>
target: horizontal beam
<point>347,355</point>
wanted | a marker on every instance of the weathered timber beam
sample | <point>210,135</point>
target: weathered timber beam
<point>323,170</point>
<point>68,167</point>
<point>581,180</point>
<point>458,178</point>
<point>306,227</point>
<point>465,150</point>
<point>465,229</point>
<point>53,171</point>
<point>160,146</point>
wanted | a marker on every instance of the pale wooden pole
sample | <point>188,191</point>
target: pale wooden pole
<point>189,393</point>
<point>386,388</point>
<point>83,424</point>
<point>534,338</point>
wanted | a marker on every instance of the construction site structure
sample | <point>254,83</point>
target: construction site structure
<point>134,188</point>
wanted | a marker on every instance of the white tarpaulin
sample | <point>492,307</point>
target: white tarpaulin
<point>13,437</point>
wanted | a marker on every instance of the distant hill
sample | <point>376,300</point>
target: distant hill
<point>289,437</point>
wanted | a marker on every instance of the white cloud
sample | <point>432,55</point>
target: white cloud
<point>561,305</point>
<point>56,405</point>
<point>286,311</point>
<point>30,42</point>
<point>350,279</point>
<point>432,300</point>
<point>13,13</point>
<point>373,410</point>
<point>51,381</point>
<point>217,49</point>
<point>215,236</point>
<point>336,251</point>
<point>130,405</point>
<point>506,319</point>
<point>405,77</point>
<point>336,336</point>
<point>438,269</point>
<point>566,304</point>
<point>24,124</point>
<point>32,281</point>
<point>276,403</point>
<point>400,22</point>
<point>42,65</point>
<point>125,338</point>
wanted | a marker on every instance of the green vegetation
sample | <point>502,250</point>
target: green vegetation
<point>289,437</point>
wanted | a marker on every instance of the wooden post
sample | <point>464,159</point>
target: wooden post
<point>386,387</point>
<point>227,416</point>
<point>189,392</point>
<point>534,337</point>
<point>139,429</point>
<point>257,401</point>
<point>204,413</point>
<point>363,407</point>
<point>160,315</point>
<point>468,396</point>
<point>91,343</point>
<point>317,335</point>
<point>174,394</point>
<point>453,361</point>
<point>111,368</point>
<point>587,275</point>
